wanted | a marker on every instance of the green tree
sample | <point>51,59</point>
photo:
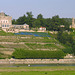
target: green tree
<point>50,23</point>
<point>30,19</point>
<point>36,23</point>
<point>73,49</point>
<point>21,20</point>
<point>13,21</point>
<point>40,16</point>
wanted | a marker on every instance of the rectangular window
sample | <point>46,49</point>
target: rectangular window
<point>3,21</point>
<point>6,21</point>
<point>2,25</point>
<point>7,25</point>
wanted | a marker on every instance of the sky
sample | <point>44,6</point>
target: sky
<point>48,8</point>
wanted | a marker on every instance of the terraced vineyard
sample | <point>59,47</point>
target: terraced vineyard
<point>28,42</point>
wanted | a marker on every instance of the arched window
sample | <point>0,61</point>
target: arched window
<point>5,25</point>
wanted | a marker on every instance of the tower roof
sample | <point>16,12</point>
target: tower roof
<point>2,14</point>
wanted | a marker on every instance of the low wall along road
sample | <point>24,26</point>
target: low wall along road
<point>36,61</point>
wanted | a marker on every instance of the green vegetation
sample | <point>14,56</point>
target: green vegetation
<point>3,56</point>
<point>71,68</point>
<point>60,70</point>
<point>2,33</point>
<point>40,73</point>
<point>29,42</point>
<point>68,41</point>
<point>39,44</point>
<point>69,20</point>
<point>51,47</point>
<point>1,46</point>
<point>50,23</point>
<point>14,46</point>
<point>33,54</point>
<point>65,38</point>
<point>27,38</point>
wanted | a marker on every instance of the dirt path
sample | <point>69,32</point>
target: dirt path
<point>28,47</point>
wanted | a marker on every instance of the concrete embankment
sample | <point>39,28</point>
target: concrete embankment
<point>36,61</point>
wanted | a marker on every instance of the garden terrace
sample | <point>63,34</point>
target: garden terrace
<point>9,42</point>
<point>27,39</point>
<point>36,34</point>
<point>43,46</point>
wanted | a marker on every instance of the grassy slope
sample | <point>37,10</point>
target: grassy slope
<point>31,42</point>
<point>2,33</point>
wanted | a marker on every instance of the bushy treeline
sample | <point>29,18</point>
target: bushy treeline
<point>34,54</point>
<point>50,23</point>
<point>68,41</point>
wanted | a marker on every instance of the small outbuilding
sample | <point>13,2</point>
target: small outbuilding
<point>42,29</point>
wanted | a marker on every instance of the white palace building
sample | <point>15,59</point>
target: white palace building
<point>6,24</point>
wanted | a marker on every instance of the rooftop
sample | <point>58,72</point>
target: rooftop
<point>42,27</point>
<point>3,14</point>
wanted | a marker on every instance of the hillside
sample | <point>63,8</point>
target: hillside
<point>10,41</point>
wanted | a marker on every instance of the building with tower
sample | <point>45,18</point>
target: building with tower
<point>5,21</point>
<point>73,23</point>
<point>6,24</point>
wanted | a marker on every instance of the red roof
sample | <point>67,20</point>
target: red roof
<point>42,27</point>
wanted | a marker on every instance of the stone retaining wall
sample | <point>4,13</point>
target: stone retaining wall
<point>11,43</point>
<point>36,61</point>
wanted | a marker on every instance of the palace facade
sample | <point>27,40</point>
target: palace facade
<point>5,20</point>
<point>6,24</point>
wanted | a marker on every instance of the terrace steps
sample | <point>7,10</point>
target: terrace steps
<point>26,42</point>
<point>6,49</point>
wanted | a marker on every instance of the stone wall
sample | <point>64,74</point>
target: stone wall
<point>36,61</point>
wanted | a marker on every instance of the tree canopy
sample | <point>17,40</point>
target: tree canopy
<point>50,23</point>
